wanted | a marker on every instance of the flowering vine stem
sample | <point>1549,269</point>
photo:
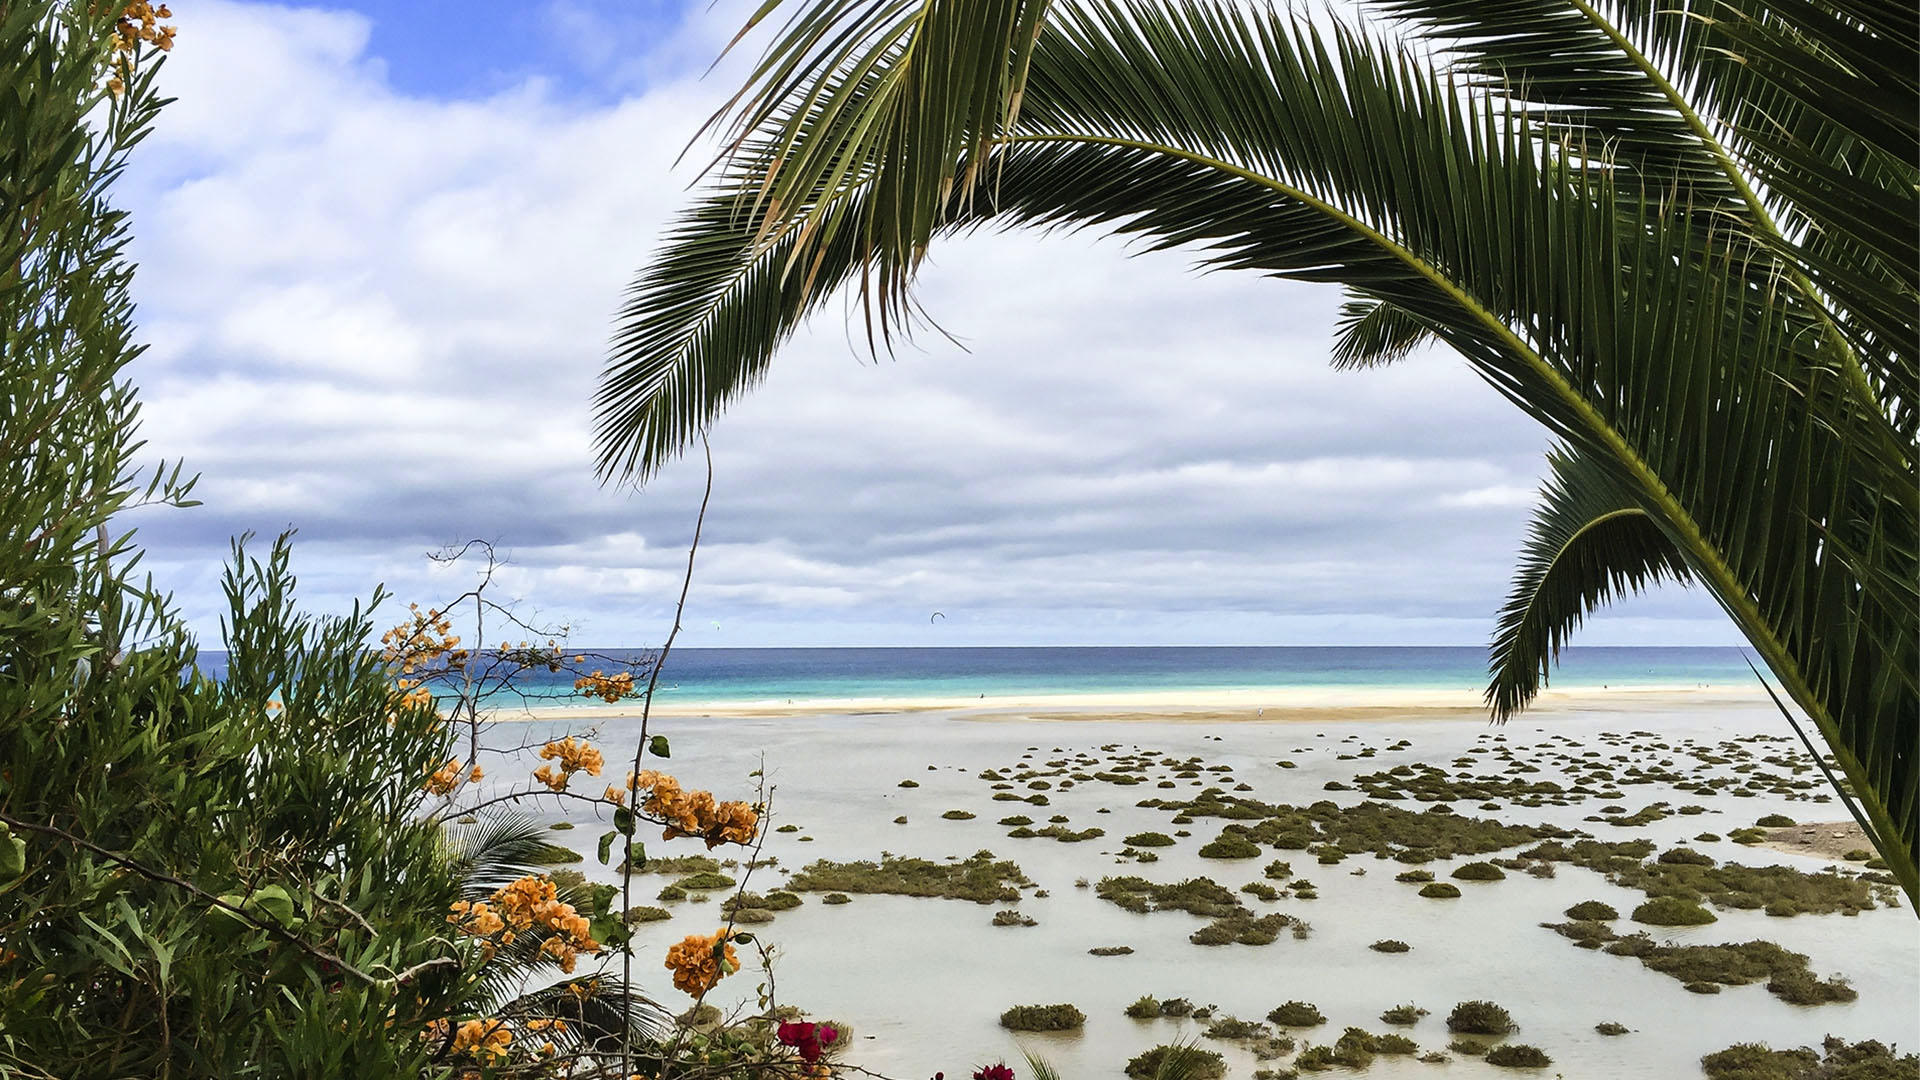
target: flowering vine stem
<point>640,751</point>
<point>765,800</point>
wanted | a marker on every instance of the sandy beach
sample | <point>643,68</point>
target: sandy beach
<point>1256,704</point>
<point>940,778</point>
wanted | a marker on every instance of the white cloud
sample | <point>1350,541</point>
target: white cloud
<point>379,318</point>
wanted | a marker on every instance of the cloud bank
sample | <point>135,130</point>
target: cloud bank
<point>377,316</point>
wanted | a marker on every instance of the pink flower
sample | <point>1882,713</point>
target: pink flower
<point>809,1040</point>
<point>994,1072</point>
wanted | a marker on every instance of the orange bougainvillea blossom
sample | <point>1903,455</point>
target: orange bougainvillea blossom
<point>527,904</point>
<point>700,961</point>
<point>687,813</point>
<point>572,756</point>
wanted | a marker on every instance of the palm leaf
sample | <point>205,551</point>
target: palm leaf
<point>1589,542</point>
<point>498,848</point>
<point>1370,333</point>
<point>1664,351</point>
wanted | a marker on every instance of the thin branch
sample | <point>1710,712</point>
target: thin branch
<point>640,751</point>
<point>206,897</point>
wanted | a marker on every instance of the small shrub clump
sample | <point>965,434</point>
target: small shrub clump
<point>1150,839</point>
<point>1403,1015</point>
<point>1297,1014</point>
<point>1478,871</point>
<point>1518,1056</point>
<point>1230,845</point>
<point>1672,911</point>
<point>1610,1027</point>
<point>1146,1007</point>
<point>1189,1062</point>
<point>1479,1018</point>
<point>1868,1060</point>
<point>1043,1018</point>
<point>1440,890</point>
<point>1390,945</point>
<point>1592,911</point>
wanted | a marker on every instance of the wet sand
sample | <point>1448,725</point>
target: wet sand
<point>1821,839</point>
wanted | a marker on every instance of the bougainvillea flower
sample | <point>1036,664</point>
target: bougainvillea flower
<point>994,1072</point>
<point>808,1039</point>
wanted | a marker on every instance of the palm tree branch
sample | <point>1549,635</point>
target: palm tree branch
<point>1589,541</point>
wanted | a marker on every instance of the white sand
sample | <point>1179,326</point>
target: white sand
<point>1274,704</point>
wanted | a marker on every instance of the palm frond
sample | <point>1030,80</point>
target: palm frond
<point>1589,542</point>
<point>597,1009</point>
<point>498,848</point>
<point>1371,334</point>
<point>1642,329</point>
<point>1795,120</point>
<point>820,132</point>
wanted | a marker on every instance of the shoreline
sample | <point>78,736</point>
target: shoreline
<point>1259,704</point>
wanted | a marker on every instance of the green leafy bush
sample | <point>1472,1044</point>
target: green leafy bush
<point>1403,1015</point>
<point>1518,1056</point>
<point>1479,1018</point>
<point>1230,845</point>
<point>1478,871</point>
<point>1043,1018</point>
<point>1296,1014</point>
<point>1187,1062</point>
<point>1672,911</point>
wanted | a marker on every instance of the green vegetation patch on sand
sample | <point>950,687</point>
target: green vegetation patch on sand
<point>1043,1018</point>
<point>1478,871</point>
<point>1706,968</point>
<point>1186,1062</point>
<point>1403,1015</point>
<point>1390,945</point>
<point>1672,911</point>
<point>1369,827</point>
<point>1149,839</point>
<point>1296,1014</point>
<point>1230,845</point>
<point>979,878</point>
<point>1197,896</point>
<point>1736,886</point>
<point>705,882</point>
<point>1479,1018</point>
<point>1518,1056</point>
<point>1869,1060</point>
<point>1592,910</point>
<point>680,864</point>
<point>1440,890</point>
<point>1244,928</point>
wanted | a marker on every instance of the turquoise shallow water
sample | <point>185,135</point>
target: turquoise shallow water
<point>735,675</point>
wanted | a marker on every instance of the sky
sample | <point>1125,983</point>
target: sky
<point>381,246</point>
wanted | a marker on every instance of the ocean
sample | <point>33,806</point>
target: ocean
<point>800,675</point>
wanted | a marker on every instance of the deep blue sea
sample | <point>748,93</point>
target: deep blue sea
<point>735,675</point>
